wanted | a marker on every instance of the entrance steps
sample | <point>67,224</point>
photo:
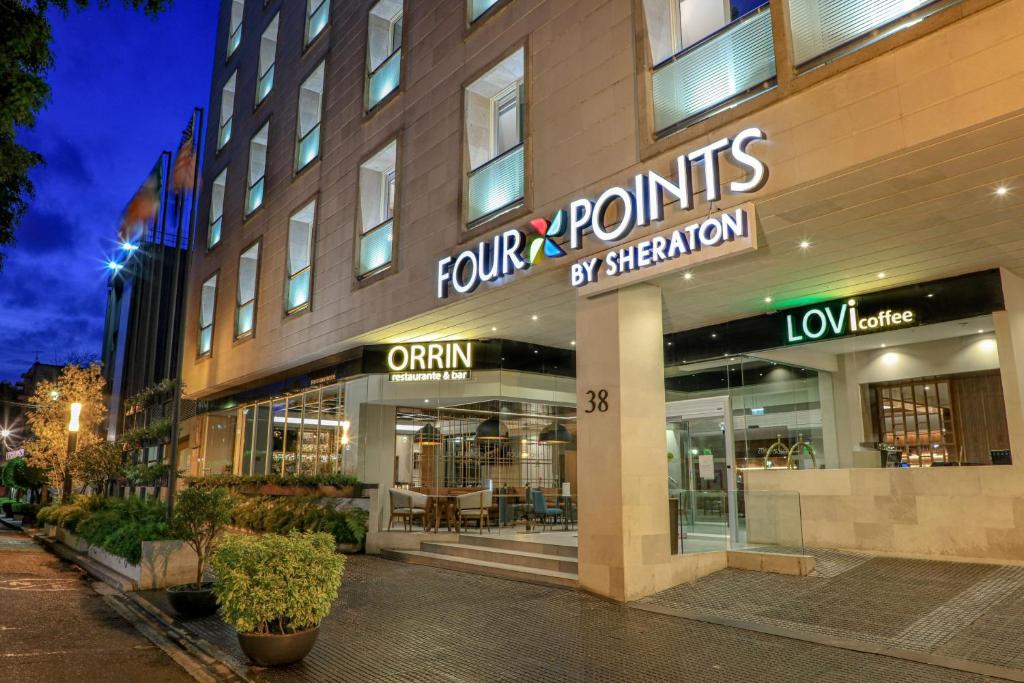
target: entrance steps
<point>542,563</point>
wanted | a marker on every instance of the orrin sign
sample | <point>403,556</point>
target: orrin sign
<point>841,319</point>
<point>640,204</point>
<point>430,361</point>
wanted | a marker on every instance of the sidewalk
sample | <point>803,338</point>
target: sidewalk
<point>402,622</point>
<point>55,627</point>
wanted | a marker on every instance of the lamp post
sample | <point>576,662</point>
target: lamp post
<point>76,413</point>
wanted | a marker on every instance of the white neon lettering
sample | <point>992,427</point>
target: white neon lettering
<point>758,174</point>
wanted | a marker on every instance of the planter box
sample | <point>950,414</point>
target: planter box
<point>349,491</point>
<point>164,563</point>
<point>72,541</point>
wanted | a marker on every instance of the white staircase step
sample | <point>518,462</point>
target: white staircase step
<point>526,557</point>
<point>558,550</point>
<point>475,566</point>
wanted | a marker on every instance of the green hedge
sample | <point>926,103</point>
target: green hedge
<point>234,482</point>
<point>282,515</point>
<point>118,525</point>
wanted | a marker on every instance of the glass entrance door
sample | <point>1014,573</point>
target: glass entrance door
<point>702,473</point>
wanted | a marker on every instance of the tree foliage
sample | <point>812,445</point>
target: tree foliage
<point>200,516</point>
<point>25,57</point>
<point>100,462</point>
<point>48,446</point>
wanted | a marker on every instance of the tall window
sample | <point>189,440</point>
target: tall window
<point>317,14</point>
<point>213,234</point>
<point>384,51</point>
<point>477,8</point>
<point>268,53</point>
<point>207,308</point>
<point>377,189</point>
<point>311,95</point>
<point>245,312</point>
<point>257,169</point>
<point>235,26</point>
<point>494,138</point>
<point>300,259</point>
<point>227,111</point>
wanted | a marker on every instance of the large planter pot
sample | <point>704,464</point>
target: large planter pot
<point>275,649</point>
<point>192,603</point>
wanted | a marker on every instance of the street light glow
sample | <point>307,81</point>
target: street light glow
<point>128,246</point>
<point>76,412</point>
<point>114,265</point>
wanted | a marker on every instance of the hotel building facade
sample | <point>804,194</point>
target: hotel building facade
<point>640,252</point>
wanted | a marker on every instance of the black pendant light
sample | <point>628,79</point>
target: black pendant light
<point>429,436</point>
<point>491,430</point>
<point>555,433</point>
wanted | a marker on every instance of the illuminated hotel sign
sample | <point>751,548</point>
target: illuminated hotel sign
<point>639,205</point>
<point>839,320</point>
<point>430,362</point>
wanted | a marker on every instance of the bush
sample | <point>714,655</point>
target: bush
<point>276,584</point>
<point>307,480</point>
<point>117,525</point>
<point>200,516</point>
<point>281,515</point>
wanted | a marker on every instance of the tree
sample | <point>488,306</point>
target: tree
<point>18,474</point>
<point>47,448</point>
<point>99,463</point>
<point>199,519</point>
<point>25,57</point>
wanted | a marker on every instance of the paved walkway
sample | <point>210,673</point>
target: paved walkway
<point>400,622</point>
<point>55,627</point>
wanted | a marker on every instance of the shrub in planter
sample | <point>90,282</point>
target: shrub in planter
<point>200,516</point>
<point>281,515</point>
<point>275,590</point>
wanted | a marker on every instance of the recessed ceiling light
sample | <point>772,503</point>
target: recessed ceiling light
<point>426,400</point>
<point>572,343</point>
<point>884,345</point>
<point>981,331</point>
<point>767,299</point>
<point>533,317</point>
<point>804,244</point>
<point>931,296</point>
<point>494,329</point>
<point>1002,191</point>
<point>881,275</point>
<point>714,335</point>
<point>687,276</point>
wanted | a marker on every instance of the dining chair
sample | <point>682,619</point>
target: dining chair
<point>475,505</point>
<point>540,507</point>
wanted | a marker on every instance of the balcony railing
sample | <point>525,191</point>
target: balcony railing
<point>478,7</point>
<point>265,84</point>
<point>384,79</point>
<point>317,20</point>
<point>375,248</point>
<point>821,26</point>
<point>308,148</point>
<point>254,197</point>
<point>726,65</point>
<point>224,134</point>
<point>495,186</point>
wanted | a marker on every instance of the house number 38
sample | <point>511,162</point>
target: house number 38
<point>597,401</point>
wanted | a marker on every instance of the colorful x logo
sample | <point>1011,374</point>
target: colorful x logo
<point>543,244</point>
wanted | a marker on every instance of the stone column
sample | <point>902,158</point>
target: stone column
<point>1009,328</point>
<point>623,490</point>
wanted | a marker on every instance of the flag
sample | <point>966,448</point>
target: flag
<point>183,177</point>
<point>144,206</point>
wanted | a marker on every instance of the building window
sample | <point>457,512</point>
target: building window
<point>207,308</point>
<point>257,169</point>
<point>235,26</point>
<point>245,313</point>
<point>494,139</point>
<point>317,14</point>
<point>377,189</point>
<point>706,53</point>
<point>384,51</point>
<point>213,234</point>
<point>311,95</point>
<point>300,259</point>
<point>227,111</point>
<point>268,53</point>
<point>478,8</point>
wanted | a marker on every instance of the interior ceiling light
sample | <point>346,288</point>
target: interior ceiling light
<point>491,430</point>
<point>555,433</point>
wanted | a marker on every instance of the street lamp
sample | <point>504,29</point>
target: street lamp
<point>73,426</point>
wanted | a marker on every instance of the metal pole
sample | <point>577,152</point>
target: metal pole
<point>172,474</point>
<point>65,497</point>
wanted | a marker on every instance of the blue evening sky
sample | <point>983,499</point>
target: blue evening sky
<point>124,85</point>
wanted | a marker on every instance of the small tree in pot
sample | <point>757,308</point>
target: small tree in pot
<point>200,516</point>
<point>275,590</point>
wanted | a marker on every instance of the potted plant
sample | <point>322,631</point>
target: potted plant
<point>200,517</point>
<point>275,590</point>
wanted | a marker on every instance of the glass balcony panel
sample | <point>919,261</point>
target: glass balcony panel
<point>317,21</point>
<point>298,290</point>
<point>205,339</point>
<point>234,40</point>
<point>478,7</point>
<point>254,199</point>
<point>384,80</point>
<point>309,147</point>
<point>726,64</point>
<point>244,319</point>
<point>265,85</point>
<point>375,248</point>
<point>225,133</point>
<point>496,185</point>
<point>213,238</point>
<point>820,26</point>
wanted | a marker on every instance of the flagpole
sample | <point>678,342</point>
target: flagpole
<point>172,473</point>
